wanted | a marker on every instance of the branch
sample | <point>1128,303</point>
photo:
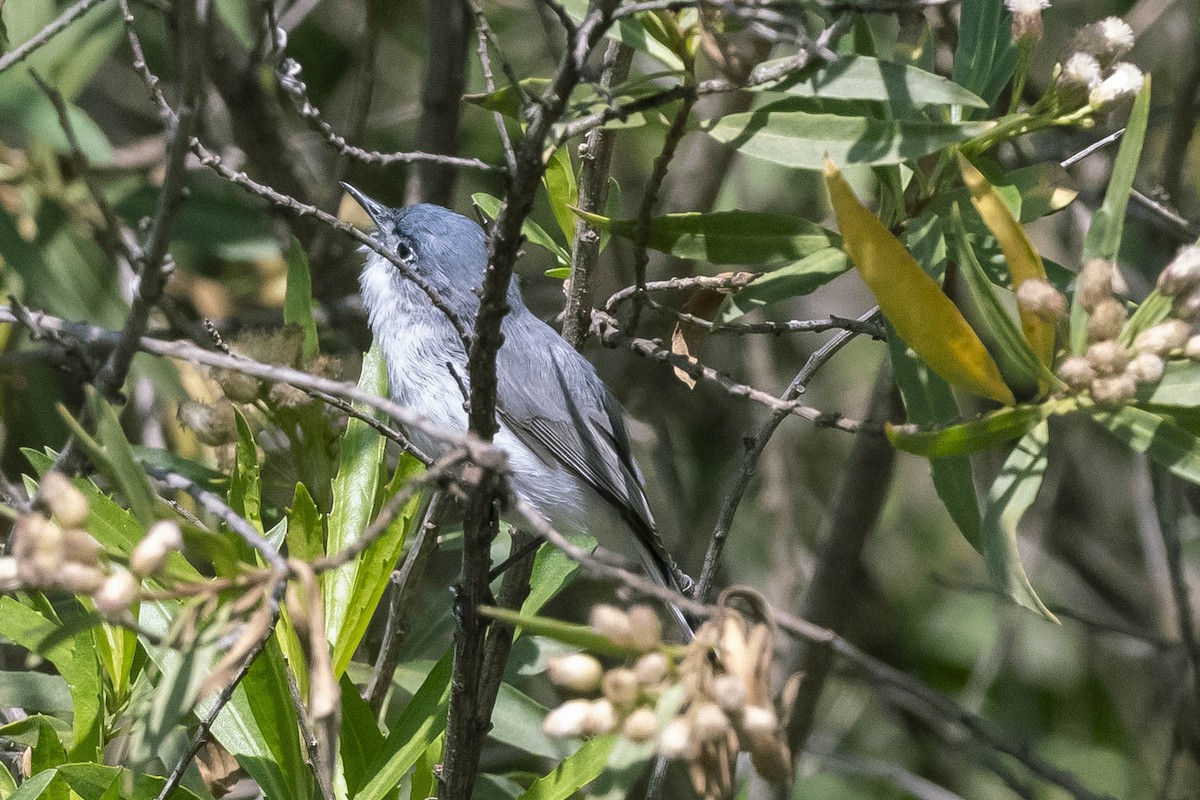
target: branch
<point>484,35</point>
<point>1166,495</point>
<point>22,51</point>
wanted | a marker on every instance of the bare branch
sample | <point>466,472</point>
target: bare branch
<point>23,50</point>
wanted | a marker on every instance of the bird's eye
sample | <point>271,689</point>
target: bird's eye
<point>403,251</point>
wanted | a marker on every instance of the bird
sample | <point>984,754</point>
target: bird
<point>561,428</point>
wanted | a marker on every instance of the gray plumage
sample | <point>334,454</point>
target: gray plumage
<point>562,429</point>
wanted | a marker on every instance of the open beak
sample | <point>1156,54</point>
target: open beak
<point>375,210</point>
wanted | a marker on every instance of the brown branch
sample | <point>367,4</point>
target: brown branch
<point>483,36</point>
<point>730,280</point>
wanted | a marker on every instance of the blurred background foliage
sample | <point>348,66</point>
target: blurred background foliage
<point>1105,694</point>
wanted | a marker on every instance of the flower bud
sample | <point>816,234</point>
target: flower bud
<point>1080,73</point>
<point>116,594</point>
<point>1183,273</point>
<point>284,395</point>
<point>1108,357</point>
<point>1036,296</point>
<point>1113,389</point>
<point>729,692</point>
<point>1107,40</point>
<point>1160,339</point>
<point>151,552</point>
<point>1192,348</point>
<point>1027,18</point>
<point>610,622</point>
<point>37,544</point>
<point>1122,84</point>
<point>640,725</point>
<point>238,386</point>
<point>1106,320</point>
<point>676,740</point>
<point>10,579</point>
<point>709,722</point>
<point>759,721</point>
<point>566,720</point>
<point>79,547</point>
<point>645,628</point>
<point>1094,284</point>
<point>621,687</point>
<point>1146,368</point>
<point>66,503</point>
<point>80,578</point>
<point>213,423</point>
<point>601,718</point>
<point>651,669</point>
<point>578,672</point>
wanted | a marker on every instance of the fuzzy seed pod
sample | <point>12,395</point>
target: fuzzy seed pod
<point>10,579</point>
<point>213,423</point>
<point>1183,273</point>
<point>566,720</point>
<point>759,721</point>
<point>1113,389</point>
<point>1146,368</point>
<point>676,740</point>
<point>1122,84</point>
<point>66,503</point>
<point>1192,348</point>
<point>148,557</point>
<point>116,594</point>
<point>1038,297</point>
<point>645,628</point>
<point>729,692</point>
<point>1107,40</point>
<point>80,548</point>
<point>601,718</point>
<point>577,672</point>
<point>1077,373</point>
<point>610,622</point>
<point>621,687</point>
<point>238,386</point>
<point>640,725</point>
<point>1094,284</point>
<point>1106,320</point>
<point>709,722</point>
<point>1160,339</point>
<point>1108,357</point>
<point>651,669</point>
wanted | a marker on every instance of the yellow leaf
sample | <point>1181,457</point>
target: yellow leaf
<point>915,305</point>
<point>1024,262</point>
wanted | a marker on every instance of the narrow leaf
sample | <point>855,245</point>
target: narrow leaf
<point>1166,443</point>
<point>983,433</point>
<point>794,280</point>
<point>562,189</point>
<point>298,300</point>
<point>858,77</point>
<point>574,773</point>
<point>910,299</point>
<point>533,233</point>
<point>245,483</point>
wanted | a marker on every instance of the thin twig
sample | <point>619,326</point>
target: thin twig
<point>830,323</point>
<point>23,50</point>
<point>483,31</point>
<point>730,280</point>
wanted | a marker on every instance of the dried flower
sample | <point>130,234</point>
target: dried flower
<point>640,725</point>
<point>37,544</point>
<point>567,720</point>
<point>676,740</point>
<point>66,503</point>
<point>1113,389</point>
<point>621,687</point>
<point>1122,83</point>
<point>79,578</point>
<point>148,557</point>
<point>1095,283</point>
<point>1183,273</point>
<point>610,622</point>
<point>1081,71</point>
<point>1187,306</point>
<point>601,718</point>
<point>284,395</point>
<point>645,628</point>
<point>1107,40</point>
<point>1038,297</point>
<point>116,594</point>
<point>1146,368</point>
<point>213,423</point>
<point>759,721</point>
<point>1164,337</point>
<point>578,672</point>
<point>1027,18</point>
<point>238,386</point>
<point>1108,357</point>
<point>1076,372</point>
<point>1106,320</point>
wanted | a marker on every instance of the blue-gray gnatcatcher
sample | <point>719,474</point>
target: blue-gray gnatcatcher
<point>562,429</point>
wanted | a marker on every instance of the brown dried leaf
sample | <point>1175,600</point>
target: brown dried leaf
<point>688,336</point>
<point>218,769</point>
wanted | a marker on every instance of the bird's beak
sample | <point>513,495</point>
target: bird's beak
<point>375,210</point>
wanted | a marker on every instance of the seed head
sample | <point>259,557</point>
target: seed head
<point>148,557</point>
<point>1187,306</point>
<point>1027,18</point>
<point>578,672</point>
<point>610,622</point>
<point>213,423</point>
<point>1081,71</point>
<point>1076,372</point>
<point>1192,348</point>
<point>759,721</point>
<point>1036,296</point>
<point>729,692</point>
<point>601,718</point>
<point>1094,284</point>
<point>651,669</point>
<point>10,579</point>
<point>1107,40</point>
<point>1108,357</point>
<point>1146,368</point>
<point>238,386</point>
<point>1113,389</point>
<point>1168,335</point>
<point>80,578</point>
<point>1106,320</point>
<point>1122,83</point>
<point>80,548</point>
<point>709,722</point>
<point>66,503</point>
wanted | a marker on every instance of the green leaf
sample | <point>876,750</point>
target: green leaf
<point>36,787</point>
<point>1103,238</point>
<point>575,772</point>
<point>562,189</point>
<point>354,488</point>
<point>35,693</point>
<point>306,529</point>
<point>8,784</point>
<point>533,233</point>
<point>517,722</point>
<point>978,434</point>
<point>116,461</point>
<point>298,301</point>
<point>580,636</point>
<point>506,99</point>
<point>726,237</point>
<point>1166,443</point>
<point>360,739</point>
<point>422,721</point>
<point>856,77</point>
<point>100,782</point>
<point>552,571</point>
<point>1151,311</point>
<point>985,56</point>
<point>630,32</point>
<point>1010,496</point>
<point>373,568</point>
<point>783,133</point>
<point>927,401</point>
<point>1179,386</point>
<point>156,458</point>
<point>245,483</point>
<point>793,280</point>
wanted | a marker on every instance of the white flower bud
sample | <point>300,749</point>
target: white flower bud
<point>79,547</point>
<point>566,720</point>
<point>1106,320</point>
<point>676,740</point>
<point>610,622</point>
<point>1145,368</point>
<point>80,578</point>
<point>640,725</point>
<point>1107,40</point>
<point>1094,284</point>
<point>1187,306</point>
<point>10,579</point>
<point>66,503</point>
<point>601,718</point>
<point>37,544</point>
<point>621,687</point>
<point>1108,357</point>
<point>116,594</point>
<point>1192,348</point>
<point>651,669</point>
<point>645,628</point>
<point>1122,83</point>
<point>1113,389</point>
<point>1027,18</point>
<point>1081,71</point>
<point>1168,335</point>
<point>759,721</point>
<point>709,722</point>
<point>1076,372</point>
<point>729,692</point>
<point>1036,296</point>
<point>1183,273</point>
<point>578,672</point>
<point>151,552</point>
